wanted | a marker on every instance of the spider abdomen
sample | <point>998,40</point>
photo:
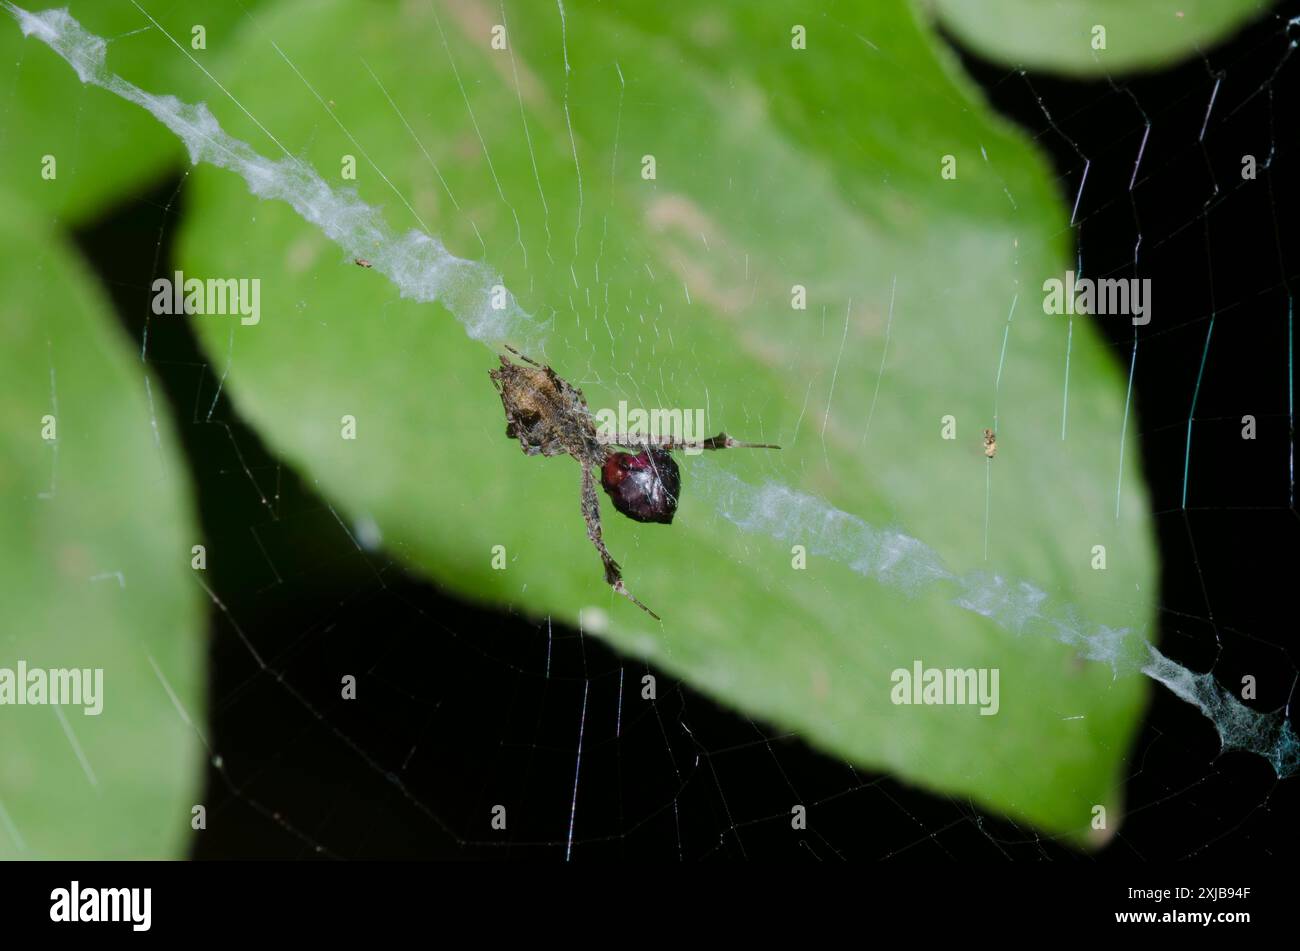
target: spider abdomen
<point>643,486</point>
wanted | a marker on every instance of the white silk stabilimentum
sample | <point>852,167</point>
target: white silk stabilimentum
<point>425,271</point>
<point>909,565</point>
<point>417,263</point>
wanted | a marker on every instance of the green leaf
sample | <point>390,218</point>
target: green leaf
<point>103,147</point>
<point>95,536</point>
<point>1061,36</point>
<point>775,167</point>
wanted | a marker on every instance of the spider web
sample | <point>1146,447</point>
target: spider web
<point>549,720</point>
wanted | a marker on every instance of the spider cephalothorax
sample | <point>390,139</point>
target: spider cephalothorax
<point>549,417</point>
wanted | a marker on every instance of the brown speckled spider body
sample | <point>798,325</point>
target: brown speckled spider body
<point>549,417</point>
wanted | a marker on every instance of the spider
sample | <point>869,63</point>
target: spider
<point>990,443</point>
<point>549,417</point>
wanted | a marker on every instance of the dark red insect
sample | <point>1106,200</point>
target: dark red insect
<point>643,486</point>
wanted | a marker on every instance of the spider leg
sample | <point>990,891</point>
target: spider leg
<point>723,441</point>
<point>591,515</point>
<point>522,357</point>
<point>669,443</point>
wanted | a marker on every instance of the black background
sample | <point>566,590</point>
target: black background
<point>462,708</point>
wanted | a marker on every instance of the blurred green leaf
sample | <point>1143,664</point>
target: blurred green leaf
<point>102,146</point>
<point>1058,36</point>
<point>775,167</point>
<point>95,536</point>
